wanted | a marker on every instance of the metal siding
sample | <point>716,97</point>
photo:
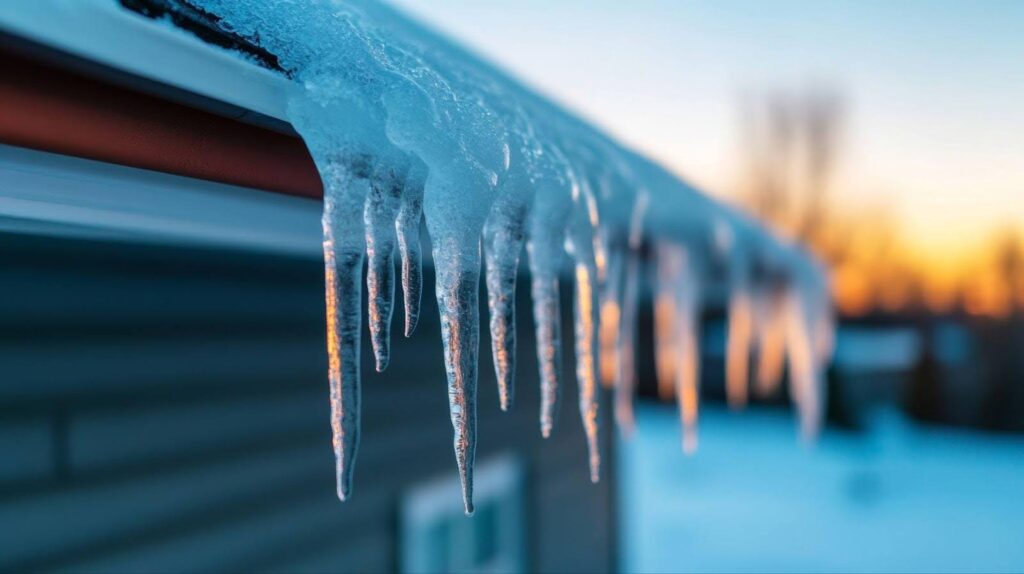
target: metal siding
<point>194,434</point>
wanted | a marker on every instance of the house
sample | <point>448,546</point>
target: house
<point>163,392</point>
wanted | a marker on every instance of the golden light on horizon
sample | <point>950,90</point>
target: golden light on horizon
<point>989,282</point>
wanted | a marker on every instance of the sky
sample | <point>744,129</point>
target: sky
<point>933,91</point>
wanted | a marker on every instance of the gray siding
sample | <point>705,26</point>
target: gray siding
<point>166,410</point>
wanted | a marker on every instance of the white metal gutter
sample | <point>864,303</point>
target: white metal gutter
<point>103,32</point>
<point>56,195</point>
<point>51,194</point>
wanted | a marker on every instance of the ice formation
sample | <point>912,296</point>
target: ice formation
<point>403,125</point>
<point>680,276</point>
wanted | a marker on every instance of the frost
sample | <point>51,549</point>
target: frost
<point>408,130</point>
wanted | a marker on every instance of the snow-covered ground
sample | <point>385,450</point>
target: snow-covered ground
<point>898,498</point>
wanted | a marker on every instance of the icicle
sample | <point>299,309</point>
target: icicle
<point>462,143</point>
<point>379,216</point>
<point>580,244</point>
<point>678,276</point>
<point>611,316</point>
<point>824,325</point>
<point>455,231</point>
<point>545,247</point>
<point>625,384</point>
<point>407,228</point>
<point>586,368</point>
<point>504,234</point>
<point>740,331</point>
<point>771,336</point>
<point>458,284</point>
<point>665,316</point>
<point>368,79</point>
<point>688,339</point>
<point>547,316</point>
<point>344,192</point>
<point>805,379</point>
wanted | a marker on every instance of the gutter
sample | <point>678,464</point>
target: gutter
<point>115,126</point>
<point>147,55</point>
<point>46,107</point>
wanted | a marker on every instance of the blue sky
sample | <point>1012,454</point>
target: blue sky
<point>934,89</point>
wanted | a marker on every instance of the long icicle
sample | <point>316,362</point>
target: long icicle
<point>665,330</point>
<point>771,341</point>
<point>458,284</point>
<point>807,381</point>
<point>407,228</point>
<point>547,317</point>
<point>610,298</point>
<point>688,339</point>
<point>343,245</point>
<point>379,215</point>
<point>586,364</point>
<point>545,249</point>
<point>504,234</point>
<point>737,366</point>
<point>625,384</point>
<point>801,366</point>
<point>625,381</point>
<point>582,240</point>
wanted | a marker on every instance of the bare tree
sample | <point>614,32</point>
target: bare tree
<point>821,123</point>
<point>791,146</point>
<point>791,143</point>
<point>1010,268</point>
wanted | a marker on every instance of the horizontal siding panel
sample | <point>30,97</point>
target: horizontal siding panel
<point>99,439</point>
<point>27,449</point>
<point>195,435</point>
<point>75,520</point>
<point>64,298</point>
<point>306,514</point>
<point>84,368</point>
<point>356,554</point>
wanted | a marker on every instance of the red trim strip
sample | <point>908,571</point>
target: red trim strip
<point>52,109</point>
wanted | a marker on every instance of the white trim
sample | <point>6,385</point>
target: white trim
<point>104,32</point>
<point>45,193</point>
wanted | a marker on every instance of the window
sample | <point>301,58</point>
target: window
<point>437,537</point>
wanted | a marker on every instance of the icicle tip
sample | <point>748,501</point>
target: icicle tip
<point>344,489</point>
<point>689,445</point>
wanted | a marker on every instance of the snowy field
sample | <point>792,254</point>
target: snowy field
<point>899,498</point>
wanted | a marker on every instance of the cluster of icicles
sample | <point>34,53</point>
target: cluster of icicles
<point>405,127</point>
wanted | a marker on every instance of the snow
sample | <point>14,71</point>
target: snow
<point>900,498</point>
<point>401,122</point>
<point>872,350</point>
